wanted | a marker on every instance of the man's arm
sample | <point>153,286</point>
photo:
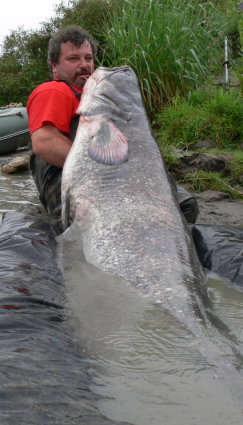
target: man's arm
<point>51,144</point>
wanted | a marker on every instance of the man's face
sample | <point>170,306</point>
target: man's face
<point>75,64</point>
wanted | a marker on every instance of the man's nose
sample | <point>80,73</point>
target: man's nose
<point>83,63</point>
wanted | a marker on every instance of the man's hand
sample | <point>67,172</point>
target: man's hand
<point>51,144</point>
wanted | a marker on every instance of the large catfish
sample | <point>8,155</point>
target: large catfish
<point>116,191</point>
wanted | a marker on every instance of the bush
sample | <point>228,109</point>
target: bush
<point>169,44</point>
<point>215,115</point>
<point>181,124</point>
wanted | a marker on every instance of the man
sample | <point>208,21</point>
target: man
<point>52,110</point>
<point>53,121</point>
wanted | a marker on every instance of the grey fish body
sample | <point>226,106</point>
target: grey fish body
<point>123,201</point>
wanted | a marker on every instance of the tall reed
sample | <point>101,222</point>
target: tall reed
<point>171,44</point>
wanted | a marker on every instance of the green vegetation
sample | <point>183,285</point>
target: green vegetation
<point>201,180</point>
<point>172,45</point>
<point>214,114</point>
<point>176,48</point>
<point>91,15</point>
<point>22,66</point>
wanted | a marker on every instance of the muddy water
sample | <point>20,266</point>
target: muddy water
<point>140,366</point>
<point>16,190</point>
<point>145,366</point>
<point>44,372</point>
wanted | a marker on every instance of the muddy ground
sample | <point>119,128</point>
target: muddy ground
<point>216,208</point>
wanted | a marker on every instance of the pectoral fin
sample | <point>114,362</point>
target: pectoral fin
<point>108,144</point>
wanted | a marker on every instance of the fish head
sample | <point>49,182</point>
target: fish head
<point>110,91</point>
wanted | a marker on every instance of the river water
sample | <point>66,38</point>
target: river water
<point>96,352</point>
<point>16,190</point>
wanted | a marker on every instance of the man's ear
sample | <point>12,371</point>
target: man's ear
<point>54,68</point>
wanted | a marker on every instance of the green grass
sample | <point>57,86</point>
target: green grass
<point>229,180</point>
<point>200,180</point>
<point>214,114</point>
<point>236,166</point>
<point>168,44</point>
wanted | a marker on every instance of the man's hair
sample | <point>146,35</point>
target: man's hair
<point>75,34</point>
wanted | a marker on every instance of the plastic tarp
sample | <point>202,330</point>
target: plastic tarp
<point>44,373</point>
<point>220,249</point>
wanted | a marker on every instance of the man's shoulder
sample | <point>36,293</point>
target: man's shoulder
<point>56,85</point>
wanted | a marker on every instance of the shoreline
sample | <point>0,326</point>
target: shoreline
<point>215,208</point>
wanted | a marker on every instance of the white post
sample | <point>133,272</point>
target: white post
<point>226,59</point>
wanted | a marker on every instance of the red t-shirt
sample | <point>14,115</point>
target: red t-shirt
<point>52,102</point>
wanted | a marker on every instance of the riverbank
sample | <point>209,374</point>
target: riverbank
<point>214,207</point>
<point>217,208</point>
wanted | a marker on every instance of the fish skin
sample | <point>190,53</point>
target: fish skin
<point>126,211</point>
<point>128,223</point>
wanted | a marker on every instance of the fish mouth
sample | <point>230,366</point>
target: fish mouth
<point>108,72</point>
<point>114,70</point>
